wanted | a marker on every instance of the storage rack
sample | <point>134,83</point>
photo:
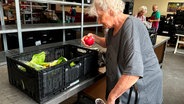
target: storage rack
<point>30,12</point>
<point>19,28</point>
<point>3,26</point>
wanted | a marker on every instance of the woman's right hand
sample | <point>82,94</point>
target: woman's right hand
<point>89,35</point>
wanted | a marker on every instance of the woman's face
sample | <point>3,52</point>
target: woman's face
<point>141,13</point>
<point>105,18</point>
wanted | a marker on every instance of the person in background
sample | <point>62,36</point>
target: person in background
<point>72,14</point>
<point>141,16</point>
<point>133,72</point>
<point>141,12</point>
<point>155,17</point>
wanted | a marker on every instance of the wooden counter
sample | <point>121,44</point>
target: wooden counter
<point>160,47</point>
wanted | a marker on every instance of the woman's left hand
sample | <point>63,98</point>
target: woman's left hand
<point>110,101</point>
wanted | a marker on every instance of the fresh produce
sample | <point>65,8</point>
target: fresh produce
<point>38,58</point>
<point>55,62</point>
<point>35,65</point>
<point>72,64</point>
<point>89,40</point>
<point>38,62</point>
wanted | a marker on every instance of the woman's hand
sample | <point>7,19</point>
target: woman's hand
<point>89,35</point>
<point>150,20</point>
<point>110,100</point>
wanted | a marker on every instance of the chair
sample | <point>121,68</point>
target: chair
<point>179,41</point>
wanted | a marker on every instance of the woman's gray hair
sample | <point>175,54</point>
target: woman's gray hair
<point>142,8</point>
<point>115,5</point>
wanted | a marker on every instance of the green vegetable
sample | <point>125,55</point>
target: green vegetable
<point>61,59</point>
<point>58,61</point>
<point>72,64</point>
<point>35,65</point>
<point>38,62</point>
<point>38,58</point>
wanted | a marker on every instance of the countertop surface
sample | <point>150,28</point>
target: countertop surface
<point>160,40</point>
<point>62,96</point>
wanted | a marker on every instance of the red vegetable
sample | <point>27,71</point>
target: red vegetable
<point>89,40</point>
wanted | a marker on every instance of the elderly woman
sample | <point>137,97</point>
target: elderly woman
<point>141,12</point>
<point>141,16</point>
<point>132,67</point>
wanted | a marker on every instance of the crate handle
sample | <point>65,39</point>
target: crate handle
<point>21,64</point>
<point>21,68</point>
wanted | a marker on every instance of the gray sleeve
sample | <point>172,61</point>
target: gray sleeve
<point>131,51</point>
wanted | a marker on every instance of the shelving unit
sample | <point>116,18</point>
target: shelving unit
<point>28,13</point>
<point>45,26</point>
<point>3,26</point>
<point>19,28</point>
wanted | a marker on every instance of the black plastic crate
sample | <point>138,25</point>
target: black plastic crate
<point>43,85</point>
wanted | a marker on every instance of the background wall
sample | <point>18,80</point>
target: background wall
<point>162,5</point>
